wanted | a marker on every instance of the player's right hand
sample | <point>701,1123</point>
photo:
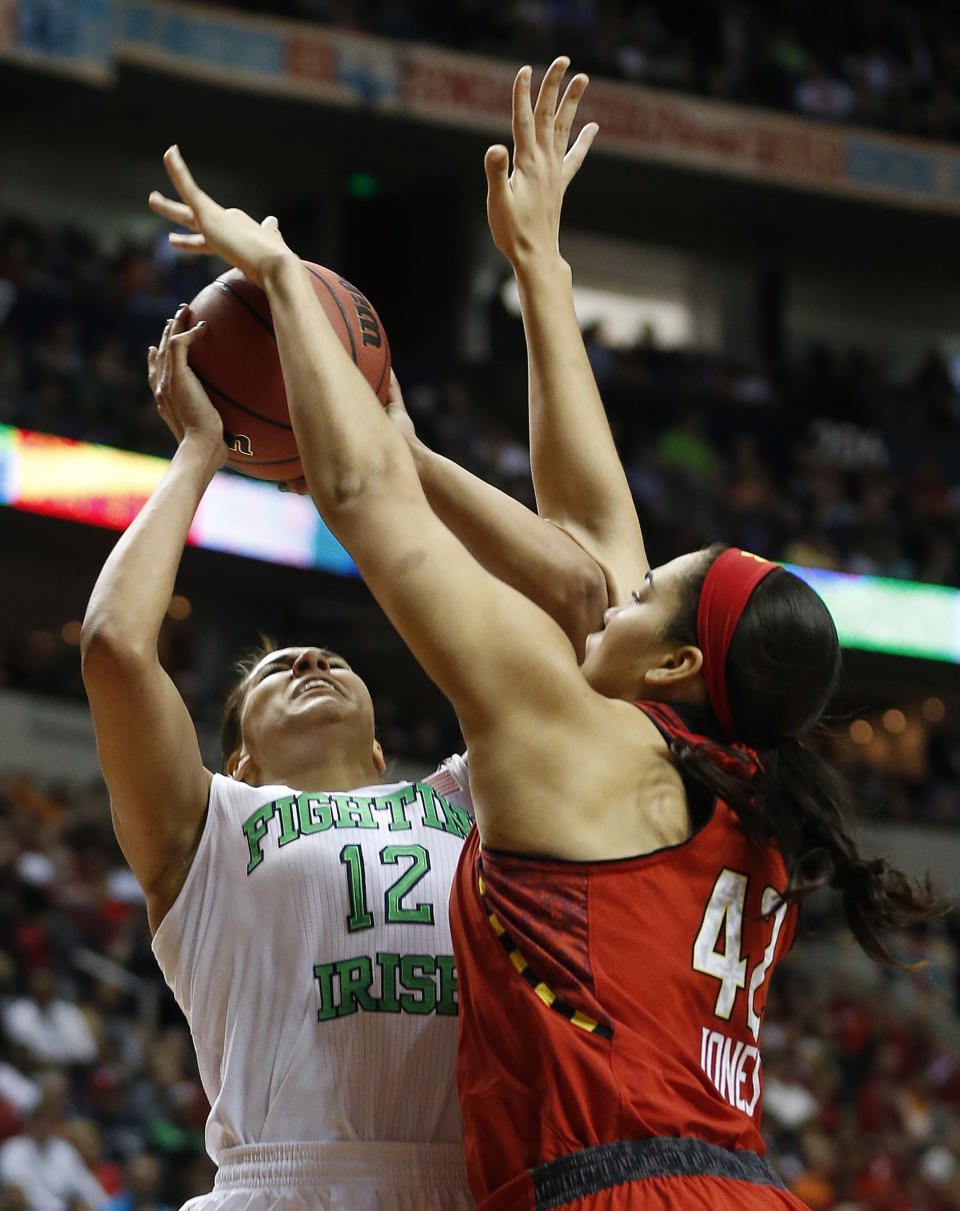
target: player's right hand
<point>181,400</point>
<point>523,207</point>
<point>231,234</point>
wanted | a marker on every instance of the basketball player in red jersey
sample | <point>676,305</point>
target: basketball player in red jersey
<point>616,932</point>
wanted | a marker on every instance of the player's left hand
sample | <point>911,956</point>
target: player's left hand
<point>523,207</point>
<point>181,400</point>
<point>231,234</point>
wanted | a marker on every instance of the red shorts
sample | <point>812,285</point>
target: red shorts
<point>647,1175</point>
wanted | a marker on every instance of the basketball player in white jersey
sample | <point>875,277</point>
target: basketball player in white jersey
<point>298,906</point>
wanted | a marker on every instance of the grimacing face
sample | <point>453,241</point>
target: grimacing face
<point>634,646</point>
<point>302,688</point>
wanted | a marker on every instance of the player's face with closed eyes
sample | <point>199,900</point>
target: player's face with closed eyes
<point>622,658</point>
<point>307,686</point>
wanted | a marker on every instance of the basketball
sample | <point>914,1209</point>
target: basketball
<point>238,363</point>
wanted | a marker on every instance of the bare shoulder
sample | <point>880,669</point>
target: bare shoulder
<point>592,781</point>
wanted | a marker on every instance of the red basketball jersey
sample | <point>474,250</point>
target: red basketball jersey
<point>617,1000</point>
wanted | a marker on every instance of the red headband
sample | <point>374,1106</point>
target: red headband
<point>732,578</point>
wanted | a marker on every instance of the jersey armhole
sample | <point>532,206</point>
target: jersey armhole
<point>203,843</point>
<point>451,780</point>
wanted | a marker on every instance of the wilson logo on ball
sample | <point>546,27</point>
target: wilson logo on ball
<point>366,316</point>
<point>239,443</point>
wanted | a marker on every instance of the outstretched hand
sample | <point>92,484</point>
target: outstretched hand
<point>523,207</point>
<point>181,400</point>
<point>231,234</point>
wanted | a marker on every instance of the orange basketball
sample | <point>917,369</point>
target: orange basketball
<point>237,361</point>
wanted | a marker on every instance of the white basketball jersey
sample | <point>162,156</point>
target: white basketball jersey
<point>310,951</point>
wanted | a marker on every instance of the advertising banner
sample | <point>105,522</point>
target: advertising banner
<point>87,37</point>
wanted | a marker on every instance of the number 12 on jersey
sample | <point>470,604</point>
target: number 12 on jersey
<point>724,916</point>
<point>395,912</point>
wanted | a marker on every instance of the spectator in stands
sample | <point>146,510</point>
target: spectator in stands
<point>48,1170</point>
<point>85,1135</point>
<point>788,1103</point>
<point>686,448</point>
<point>48,1027</point>
<point>824,97</point>
<point>19,1094</point>
<point>815,1182</point>
<point>141,1186</point>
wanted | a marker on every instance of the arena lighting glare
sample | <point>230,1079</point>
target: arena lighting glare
<point>105,487</point>
<point>899,617</point>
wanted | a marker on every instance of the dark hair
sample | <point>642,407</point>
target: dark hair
<point>783,666</point>
<point>230,731</point>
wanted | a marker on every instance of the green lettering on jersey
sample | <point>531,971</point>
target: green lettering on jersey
<point>315,814</point>
<point>439,814</point>
<point>347,985</point>
<point>432,807</point>
<point>458,820</point>
<point>353,813</point>
<point>288,825</point>
<point>356,976</point>
<point>388,963</point>
<point>360,916</point>
<point>416,976</point>
<point>323,974</point>
<point>396,805</point>
<point>447,971</point>
<point>255,829</point>
<point>396,912</point>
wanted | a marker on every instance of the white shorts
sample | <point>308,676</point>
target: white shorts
<point>339,1176</point>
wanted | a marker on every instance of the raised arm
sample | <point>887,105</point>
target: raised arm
<point>579,481</point>
<point>145,738</point>
<point>536,557</point>
<point>508,669</point>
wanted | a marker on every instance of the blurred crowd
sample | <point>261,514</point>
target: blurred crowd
<point>885,63</point>
<point>74,328</point>
<point>827,462</point>
<point>101,1108</point>
<point>861,1092</point>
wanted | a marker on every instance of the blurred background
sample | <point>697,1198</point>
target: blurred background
<point>766,244</point>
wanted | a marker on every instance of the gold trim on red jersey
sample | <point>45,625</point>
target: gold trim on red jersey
<point>546,994</point>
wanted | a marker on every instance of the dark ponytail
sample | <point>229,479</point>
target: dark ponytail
<point>782,668</point>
